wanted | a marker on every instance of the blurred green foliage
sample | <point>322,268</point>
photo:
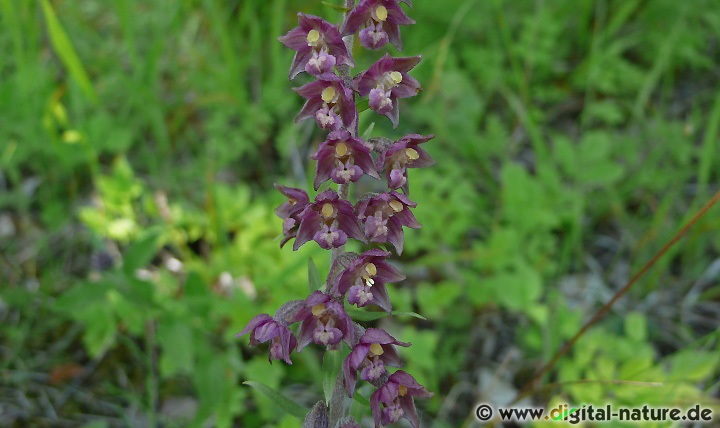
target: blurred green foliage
<point>138,146</point>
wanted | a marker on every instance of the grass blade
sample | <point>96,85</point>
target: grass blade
<point>276,397</point>
<point>314,280</point>
<point>64,48</point>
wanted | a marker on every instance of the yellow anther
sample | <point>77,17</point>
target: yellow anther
<point>318,310</point>
<point>371,269</point>
<point>376,349</point>
<point>341,149</point>
<point>327,210</point>
<point>396,77</point>
<point>396,205</point>
<point>328,94</point>
<point>402,390</point>
<point>381,13</point>
<point>412,154</point>
<point>313,37</point>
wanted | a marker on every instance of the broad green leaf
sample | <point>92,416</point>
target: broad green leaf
<point>195,285</point>
<point>693,365</point>
<point>437,297</point>
<point>65,50</point>
<point>636,326</point>
<point>215,382</point>
<point>99,330</point>
<point>176,340</point>
<point>276,397</point>
<point>82,297</point>
<point>518,289</point>
<point>142,251</point>
<point>132,316</point>
<point>332,361</point>
<point>314,280</point>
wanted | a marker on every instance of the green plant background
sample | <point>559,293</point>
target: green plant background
<point>139,142</point>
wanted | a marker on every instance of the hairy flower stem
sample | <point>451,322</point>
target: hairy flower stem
<point>323,50</point>
<point>344,72</point>
<point>335,406</point>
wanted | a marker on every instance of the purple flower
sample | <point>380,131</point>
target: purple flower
<point>264,328</point>
<point>330,221</point>
<point>330,102</point>
<point>342,158</point>
<point>404,153</point>
<point>384,215</point>
<point>379,21</point>
<point>324,321</point>
<point>318,45</point>
<point>375,350</point>
<point>289,211</point>
<point>385,82</point>
<point>364,280</point>
<point>396,397</point>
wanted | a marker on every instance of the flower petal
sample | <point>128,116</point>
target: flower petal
<point>410,412</point>
<point>254,323</point>
<point>306,332</point>
<point>395,234</point>
<point>381,298</point>
<point>309,226</point>
<point>295,39</point>
<point>350,372</point>
<point>355,19</point>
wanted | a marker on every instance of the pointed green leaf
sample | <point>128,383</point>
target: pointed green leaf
<point>360,399</point>
<point>314,280</point>
<point>276,397</point>
<point>336,7</point>
<point>65,50</point>
<point>361,315</point>
<point>368,131</point>
<point>142,251</point>
<point>331,367</point>
<point>408,314</point>
<point>362,105</point>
